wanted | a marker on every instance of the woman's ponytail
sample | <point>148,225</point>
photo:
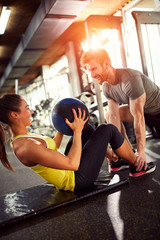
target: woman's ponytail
<point>3,155</point>
<point>8,103</point>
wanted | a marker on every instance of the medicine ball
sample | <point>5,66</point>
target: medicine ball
<point>62,110</point>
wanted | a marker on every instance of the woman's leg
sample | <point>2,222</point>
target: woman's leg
<point>86,134</point>
<point>93,154</point>
<point>126,152</point>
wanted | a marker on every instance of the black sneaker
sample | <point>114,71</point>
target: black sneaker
<point>118,165</point>
<point>150,168</point>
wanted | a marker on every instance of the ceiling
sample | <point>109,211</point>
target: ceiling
<point>37,32</point>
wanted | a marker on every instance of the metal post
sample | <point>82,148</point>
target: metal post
<point>74,78</point>
<point>140,41</point>
<point>16,86</point>
<point>99,103</point>
<point>46,68</point>
<point>97,87</point>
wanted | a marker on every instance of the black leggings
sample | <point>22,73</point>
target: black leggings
<point>94,146</point>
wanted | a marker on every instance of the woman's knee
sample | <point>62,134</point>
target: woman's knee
<point>110,133</point>
<point>107,128</point>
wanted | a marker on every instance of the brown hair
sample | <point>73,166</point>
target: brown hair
<point>8,103</point>
<point>100,55</point>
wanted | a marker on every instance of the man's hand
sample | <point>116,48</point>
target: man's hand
<point>140,161</point>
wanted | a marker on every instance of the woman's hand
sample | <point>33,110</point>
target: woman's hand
<point>79,120</point>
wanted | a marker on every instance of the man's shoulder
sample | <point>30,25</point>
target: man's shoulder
<point>127,71</point>
<point>125,75</point>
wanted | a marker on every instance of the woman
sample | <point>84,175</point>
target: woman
<point>84,154</point>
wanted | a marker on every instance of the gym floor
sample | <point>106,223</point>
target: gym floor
<point>131,211</point>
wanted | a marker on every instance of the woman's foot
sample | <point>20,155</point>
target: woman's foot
<point>150,168</point>
<point>118,165</point>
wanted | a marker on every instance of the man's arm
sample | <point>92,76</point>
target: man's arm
<point>117,115</point>
<point>137,111</point>
<point>113,114</point>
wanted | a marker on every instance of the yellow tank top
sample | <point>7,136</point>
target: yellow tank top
<point>61,179</point>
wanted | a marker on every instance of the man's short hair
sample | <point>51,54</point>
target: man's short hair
<point>100,55</point>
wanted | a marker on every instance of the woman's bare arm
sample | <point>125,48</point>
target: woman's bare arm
<point>58,139</point>
<point>33,152</point>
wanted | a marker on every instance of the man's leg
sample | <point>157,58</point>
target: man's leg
<point>125,116</point>
<point>153,122</point>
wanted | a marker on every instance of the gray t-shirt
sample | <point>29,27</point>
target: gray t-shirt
<point>131,84</point>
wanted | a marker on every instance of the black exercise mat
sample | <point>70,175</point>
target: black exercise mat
<point>39,199</point>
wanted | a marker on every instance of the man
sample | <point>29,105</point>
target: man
<point>132,97</point>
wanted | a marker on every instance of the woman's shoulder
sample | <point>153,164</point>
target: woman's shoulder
<point>21,144</point>
<point>26,148</point>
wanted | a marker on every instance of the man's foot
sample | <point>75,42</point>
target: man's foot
<point>118,165</point>
<point>150,168</point>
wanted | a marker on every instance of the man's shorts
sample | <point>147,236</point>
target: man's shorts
<point>153,121</point>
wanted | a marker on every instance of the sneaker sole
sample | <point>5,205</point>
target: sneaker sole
<point>119,168</point>
<point>137,174</point>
